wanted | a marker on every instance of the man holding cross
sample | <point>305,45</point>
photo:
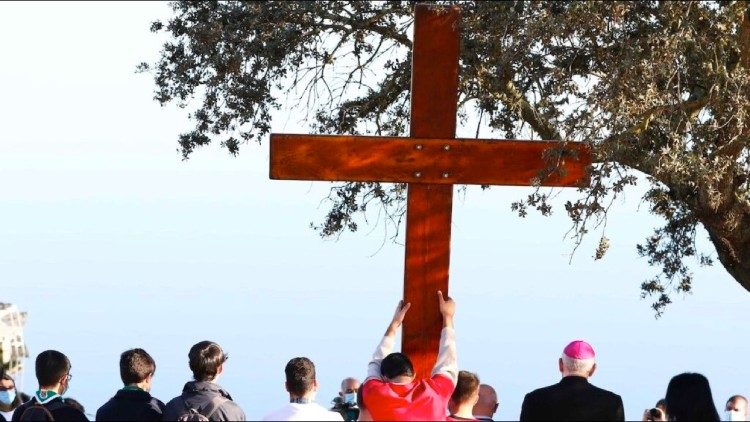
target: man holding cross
<point>430,161</point>
<point>392,390</point>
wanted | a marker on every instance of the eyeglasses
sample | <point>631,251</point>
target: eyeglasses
<point>68,377</point>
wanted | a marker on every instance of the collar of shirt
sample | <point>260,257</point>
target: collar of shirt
<point>46,396</point>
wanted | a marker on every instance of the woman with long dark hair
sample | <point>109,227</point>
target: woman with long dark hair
<point>689,398</point>
<point>9,397</point>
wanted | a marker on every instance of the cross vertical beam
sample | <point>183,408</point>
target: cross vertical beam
<point>434,87</point>
<point>431,160</point>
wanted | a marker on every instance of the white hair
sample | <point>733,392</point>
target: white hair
<point>580,367</point>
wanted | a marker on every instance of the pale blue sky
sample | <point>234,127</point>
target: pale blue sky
<point>110,241</point>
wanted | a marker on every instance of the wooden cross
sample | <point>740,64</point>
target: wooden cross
<point>431,160</point>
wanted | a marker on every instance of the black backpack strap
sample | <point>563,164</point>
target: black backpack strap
<point>188,407</point>
<point>215,404</point>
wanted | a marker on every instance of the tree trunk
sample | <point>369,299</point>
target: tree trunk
<point>730,234</point>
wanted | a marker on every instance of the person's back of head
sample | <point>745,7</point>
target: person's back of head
<point>300,377</point>
<point>661,404</point>
<point>36,413</point>
<point>137,368</point>
<point>487,404</point>
<point>396,365</point>
<point>737,409</point>
<point>206,360</point>
<point>75,404</point>
<point>465,395</point>
<point>52,369</point>
<point>689,398</point>
<point>578,359</point>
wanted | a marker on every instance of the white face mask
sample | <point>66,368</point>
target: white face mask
<point>733,415</point>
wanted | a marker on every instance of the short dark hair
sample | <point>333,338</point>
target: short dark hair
<point>467,384</point>
<point>396,365</point>
<point>75,404</point>
<point>205,359</point>
<point>300,376</point>
<point>51,366</point>
<point>135,366</point>
<point>689,398</point>
<point>735,398</point>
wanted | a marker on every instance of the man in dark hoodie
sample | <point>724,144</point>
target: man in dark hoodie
<point>133,402</point>
<point>203,395</point>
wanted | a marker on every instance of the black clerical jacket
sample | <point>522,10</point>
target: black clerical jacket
<point>573,398</point>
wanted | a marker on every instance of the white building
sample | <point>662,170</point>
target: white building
<point>13,350</point>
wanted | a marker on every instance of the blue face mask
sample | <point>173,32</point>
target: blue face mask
<point>7,396</point>
<point>350,398</point>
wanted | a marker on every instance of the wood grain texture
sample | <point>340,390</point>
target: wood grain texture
<point>438,161</point>
<point>431,161</point>
<point>434,98</point>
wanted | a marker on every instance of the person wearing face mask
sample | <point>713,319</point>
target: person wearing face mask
<point>9,399</point>
<point>736,409</point>
<point>346,402</point>
<point>133,402</point>
<point>53,374</point>
<point>302,385</point>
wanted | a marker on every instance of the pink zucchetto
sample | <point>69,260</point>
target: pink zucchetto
<point>579,349</point>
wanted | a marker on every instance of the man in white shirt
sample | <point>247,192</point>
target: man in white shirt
<point>302,387</point>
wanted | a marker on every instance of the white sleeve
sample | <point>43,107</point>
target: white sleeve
<point>384,349</point>
<point>446,363</point>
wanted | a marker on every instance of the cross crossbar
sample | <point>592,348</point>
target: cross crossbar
<point>425,160</point>
<point>430,161</point>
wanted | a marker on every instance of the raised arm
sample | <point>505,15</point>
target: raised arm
<point>386,344</point>
<point>446,363</point>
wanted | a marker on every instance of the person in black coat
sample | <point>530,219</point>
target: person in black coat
<point>573,398</point>
<point>53,374</point>
<point>133,402</point>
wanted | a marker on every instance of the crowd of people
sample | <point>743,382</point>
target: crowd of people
<point>390,391</point>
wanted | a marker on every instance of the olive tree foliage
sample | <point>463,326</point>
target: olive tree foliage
<point>660,89</point>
